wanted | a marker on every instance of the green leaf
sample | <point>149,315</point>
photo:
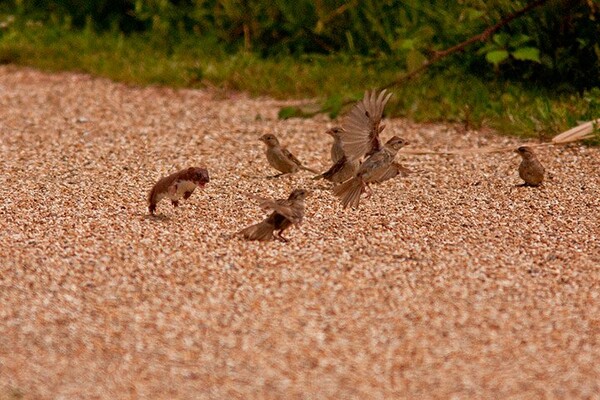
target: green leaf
<point>487,48</point>
<point>407,44</point>
<point>501,39</point>
<point>527,54</point>
<point>497,56</point>
<point>415,60</point>
<point>519,40</point>
<point>472,14</point>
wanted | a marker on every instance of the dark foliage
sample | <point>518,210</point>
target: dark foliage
<point>555,45</point>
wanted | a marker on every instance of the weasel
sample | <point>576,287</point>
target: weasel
<point>176,186</point>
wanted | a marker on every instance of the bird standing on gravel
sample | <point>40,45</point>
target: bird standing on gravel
<point>176,186</point>
<point>360,138</point>
<point>286,212</point>
<point>531,169</point>
<point>342,169</point>
<point>280,158</point>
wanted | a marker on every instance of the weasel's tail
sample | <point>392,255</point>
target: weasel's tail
<point>349,192</point>
<point>262,231</point>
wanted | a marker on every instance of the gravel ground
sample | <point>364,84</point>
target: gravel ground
<point>450,283</point>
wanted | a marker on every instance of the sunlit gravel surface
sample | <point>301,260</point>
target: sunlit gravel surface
<point>449,283</point>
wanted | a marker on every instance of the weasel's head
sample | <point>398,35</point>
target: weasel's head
<point>198,175</point>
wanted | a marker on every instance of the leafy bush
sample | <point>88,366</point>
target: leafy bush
<point>558,43</point>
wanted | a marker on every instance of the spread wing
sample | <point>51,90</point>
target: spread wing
<point>292,210</point>
<point>288,208</point>
<point>362,125</point>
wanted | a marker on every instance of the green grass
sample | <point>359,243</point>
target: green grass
<point>445,93</point>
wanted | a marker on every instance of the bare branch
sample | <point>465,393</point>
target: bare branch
<point>481,37</point>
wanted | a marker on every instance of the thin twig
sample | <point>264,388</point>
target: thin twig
<point>481,37</point>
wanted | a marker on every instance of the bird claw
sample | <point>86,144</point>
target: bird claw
<point>281,238</point>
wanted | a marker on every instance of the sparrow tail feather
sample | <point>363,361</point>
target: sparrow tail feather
<point>349,192</point>
<point>261,231</point>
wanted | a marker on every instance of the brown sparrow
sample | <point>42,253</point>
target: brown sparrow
<point>530,169</point>
<point>280,158</point>
<point>337,150</point>
<point>176,186</point>
<point>377,168</point>
<point>286,212</point>
<point>339,172</point>
<point>342,169</point>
